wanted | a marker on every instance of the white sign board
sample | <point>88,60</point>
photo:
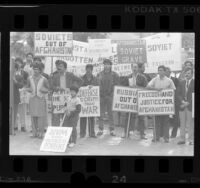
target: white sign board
<point>90,101</point>
<point>163,49</point>
<point>59,99</point>
<point>56,139</point>
<point>53,43</point>
<point>155,102</point>
<point>100,47</point>
<point>122,69</point>
<point>125,99</point>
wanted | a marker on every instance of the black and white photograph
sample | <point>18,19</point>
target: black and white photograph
<point>102,93</point>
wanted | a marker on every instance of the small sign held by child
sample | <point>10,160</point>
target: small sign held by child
<point>56,139</point>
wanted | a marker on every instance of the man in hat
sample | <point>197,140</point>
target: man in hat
<point>60,82</point>
<point>107,80</point>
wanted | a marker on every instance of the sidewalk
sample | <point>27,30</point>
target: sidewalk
<point>22,144</point>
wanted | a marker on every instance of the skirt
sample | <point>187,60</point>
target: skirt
<point>37,106</point>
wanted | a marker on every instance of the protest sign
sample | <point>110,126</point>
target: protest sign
<point>163,49</point>
<point>90,101</point>
<point>100,47</point>
<point>125,99</point>
<point>53,43</point>
<point>59,99</point>
<point>56,139</point>
<point>80,48</point>
<point>155,102</point>
<point>122,69</point>
<point>193,105</point>
<point>131,51</point>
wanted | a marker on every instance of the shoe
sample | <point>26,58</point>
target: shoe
<point>100,133</point>
<point>181,142</point>
<point>157,140</point>
<point>131,133</point>
<point>71,145</point>
<point>166,140</point>
<point>112,134</point>
<point>93,136</point>
<point>191,143</point>
<point>143,137</point>
<point>23,129</point>
<point>33,136</point>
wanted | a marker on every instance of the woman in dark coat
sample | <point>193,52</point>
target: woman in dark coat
<point>19,80</point>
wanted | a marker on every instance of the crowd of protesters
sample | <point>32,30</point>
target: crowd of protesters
<point>30,76</point>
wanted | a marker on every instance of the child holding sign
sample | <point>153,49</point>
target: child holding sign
<point>71,115</point>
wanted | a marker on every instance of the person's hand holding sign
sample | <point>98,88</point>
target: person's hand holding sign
<point>90,86</point>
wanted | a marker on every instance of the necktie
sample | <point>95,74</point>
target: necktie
<point>187,85</point>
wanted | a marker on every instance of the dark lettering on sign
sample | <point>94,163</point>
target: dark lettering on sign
<point>159,47</point>
<point>131,51</point>
<point>89,110</point>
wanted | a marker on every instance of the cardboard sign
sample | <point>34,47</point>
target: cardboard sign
<point>131,51</point>
<point>56,139</point>
<point>125,99</point>
<point>90,101</point>
<point>122,69</point>
<point>100,47</point>
<point>53,43</point>
<point>59,99</point>
<point>163,49</point>
<point>155,102</point>
<point>193,105</point>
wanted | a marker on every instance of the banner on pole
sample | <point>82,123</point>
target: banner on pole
<point>122,69</point>
<point>125,99</point>
<point>90,101</point>
<point>56,139</point>
<point>53,43</point>
<point>163,49</point>
<point>59,99</point>
<point>155,102</point>
<point>131,51</point>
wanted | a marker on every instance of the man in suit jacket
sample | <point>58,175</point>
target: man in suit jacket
<point>60,81</point>
<point>185,91</point>
<point>175,120</point>
<point>136,80</point>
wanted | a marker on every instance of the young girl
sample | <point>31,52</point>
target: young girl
<point>38,87</point>
<point>72,114</point>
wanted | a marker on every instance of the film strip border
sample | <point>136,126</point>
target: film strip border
<point>90,18</point>
<point>102,17</point>
<point>98,170</point>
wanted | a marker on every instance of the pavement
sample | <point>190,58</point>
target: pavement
<point>22,144</point>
